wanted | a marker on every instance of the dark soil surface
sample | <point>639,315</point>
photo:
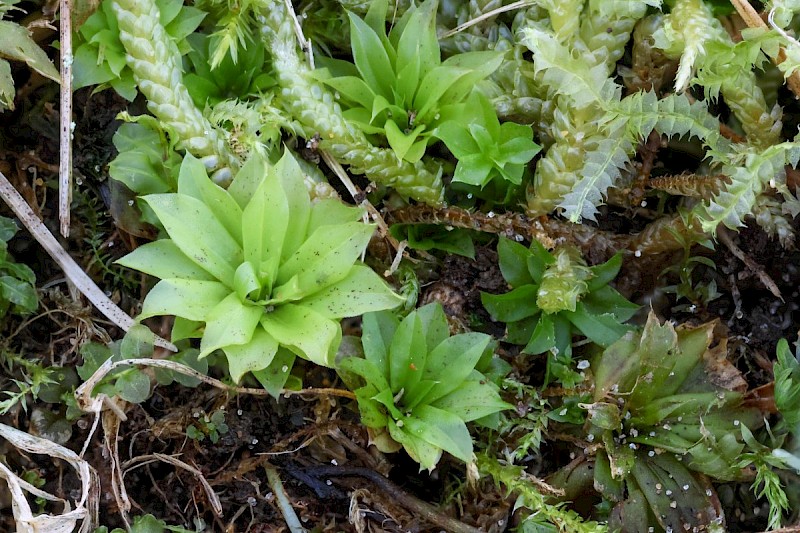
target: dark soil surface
<point>315,442</point>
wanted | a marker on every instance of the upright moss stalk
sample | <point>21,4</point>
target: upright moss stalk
<point>315,107</point>
<point>155,61</point>
<point>585,158</point>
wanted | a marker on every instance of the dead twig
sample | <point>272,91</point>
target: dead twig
<point>71,269</point>
<point>141,460</point>
<point>66,125</point>
<point>725,237</point>
<point>289,516</point>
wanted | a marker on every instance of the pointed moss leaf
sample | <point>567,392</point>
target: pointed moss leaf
<point>17,44</point>
<point>385,398</point>
<point>371,412</point>
<point>327,256</point>
<point>370,57</point>
<point>213,248</point>
<point>520,332</point>
<point>193,181</point>
<point>618,367</point>
<point>247,180</point>
<point>477,66</point>
<point>361,291</point>
<point>186,329</point>
<point>418,38</point>
<point>472,400</point>
<point>513,262</point>
<point>376,337</point>
<point>407,353</point>
<point>19,293</point>
<point>330,211</point>
<point>432,88</point>
<point>304,331</point>
<point>7,229</point>
<point>400,141</point>
<point>190,299</point>
<point>407,80</point>
<point>602,329</point>
<point>787,386</point>
<point>457,138</point>
<point>434,324</point>
<point>145,163</point>
<point>514,305</point>
<point>264,223</point>
<point>245,281</point>
<point>257,354</point>
<point>7,91</point>
<point>475,169</point>
<point>424,453</point>
<point>137,343</point>
<point>452,361</point>
<point>414,394</point>
<point>275,376</point>
<point>371,372</point>
<point>543,337</point>
<point>538,259</point>
<point>605,272</point>
<point>442,429</point>
<point>605,482</point>
<point>292,179</point>
<point>516,143</point>
<point>231,322</point>
<point>164,260</point>
<point>608,300</point>
<point>133,386</point>
<point>352,88</point>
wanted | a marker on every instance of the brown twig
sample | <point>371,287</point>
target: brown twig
<point>71,269</point>
<point>725,237</point>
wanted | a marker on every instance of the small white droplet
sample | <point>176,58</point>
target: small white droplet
<point>583,364</point>
<point>638,253</point>
<point>284,368</point>
<point>334,462</point>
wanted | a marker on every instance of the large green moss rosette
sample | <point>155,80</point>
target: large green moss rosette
<point>258,271</point>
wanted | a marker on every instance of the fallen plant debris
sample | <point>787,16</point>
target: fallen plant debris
<point>387,265</point>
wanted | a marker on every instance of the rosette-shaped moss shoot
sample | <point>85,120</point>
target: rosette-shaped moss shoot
<point>417,386</point>
<point>258,271</point>
<point>555,296</point>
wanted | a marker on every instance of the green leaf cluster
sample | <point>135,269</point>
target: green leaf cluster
<point>17,291</point>
<point>787,387</point>
<point>420,386</point>
<point>211,426</point>
<point>16,44</point>
<point>555,296</point>
<point>100,56</point>
<point>399,87</point>
<point>486,149</point>
<point>662,410</point>
<point>258,271</point>
<point>241,78</point>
